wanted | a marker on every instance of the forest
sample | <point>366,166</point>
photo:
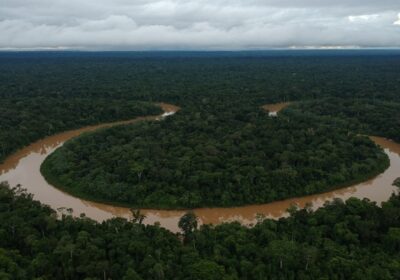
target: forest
<point>235,154</point>
<point>221,153</point>
<point>355,239</point>
<point>221,149</point>
<point>369,116</point>
<point>25,120</point>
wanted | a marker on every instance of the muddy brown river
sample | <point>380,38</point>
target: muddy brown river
<point>273,109</point>
<point>23,168</point>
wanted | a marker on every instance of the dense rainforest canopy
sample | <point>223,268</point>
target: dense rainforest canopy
<point>220,153</point>
<point>27,119</point>
<point>352,240</point>
<point>366,115</point>
<point>336,100</point>
<point>221,149</point>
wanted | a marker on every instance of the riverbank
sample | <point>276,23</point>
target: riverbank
<point>24,168</point>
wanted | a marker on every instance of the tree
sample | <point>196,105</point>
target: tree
<point>158,271</point>
<point>392,239</point>
<point>206,270</point>
<point>131,275</point>
<point>283,251</point>
<point>188,223</point>
<point>138,169</point>
<point>397,182</point>
<point>137,216</point>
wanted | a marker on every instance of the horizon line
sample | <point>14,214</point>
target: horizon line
<point>201,50</point>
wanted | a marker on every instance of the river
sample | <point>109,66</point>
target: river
<point>23,168</point>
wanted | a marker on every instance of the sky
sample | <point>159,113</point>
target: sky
<point>198,25</point>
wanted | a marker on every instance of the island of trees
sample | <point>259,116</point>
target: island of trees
<point>217,152</point>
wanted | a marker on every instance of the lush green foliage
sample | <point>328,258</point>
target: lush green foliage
<point>25,120</point>
<point>220,132</point>
<point>352,240</point>
<point>222,153</point>
<point>371,116</point>
<point>176,78</point>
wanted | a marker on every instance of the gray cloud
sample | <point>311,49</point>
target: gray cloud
<point>204,24</point>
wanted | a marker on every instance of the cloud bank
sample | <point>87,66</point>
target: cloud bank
<point>201,24</point>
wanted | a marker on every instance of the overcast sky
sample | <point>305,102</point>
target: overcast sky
<point>200,24</point>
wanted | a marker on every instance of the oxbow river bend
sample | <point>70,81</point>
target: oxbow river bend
<point>23,168</point>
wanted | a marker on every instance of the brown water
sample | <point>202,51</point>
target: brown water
<point>273,109</point>
<point>24,168</point>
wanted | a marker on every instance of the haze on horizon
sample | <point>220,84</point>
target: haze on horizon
<point>198,25</point>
